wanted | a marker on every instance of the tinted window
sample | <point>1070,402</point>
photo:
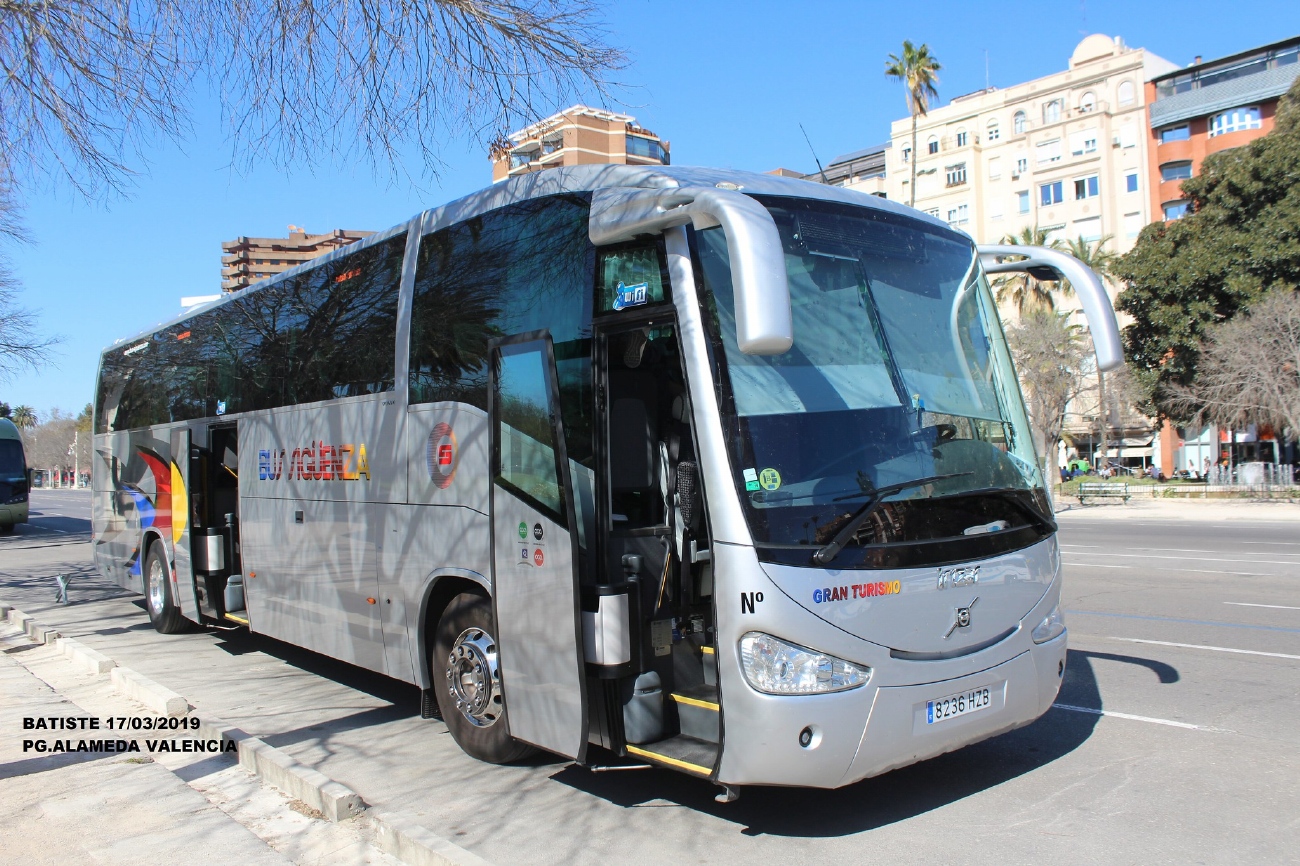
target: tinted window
<point>11,458</point>
<point>520,268</point>
<point>324,334</point>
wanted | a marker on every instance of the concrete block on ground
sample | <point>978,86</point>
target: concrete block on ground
<point>40,633</point>
<point>18,618</point>
<point>158,698</point>
<point>336,801</point>
<point>402,836</point>
<point>84,657</point>
<point>4,611</point>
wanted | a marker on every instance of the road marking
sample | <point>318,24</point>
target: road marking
<point>1134,718</point>
<point>1217,649</point>
<point>1179,550</point>
<point>1274,606</point>
<point>1166,568</point>
<point>1183,621</point>
<point>1287,543</point>
<point>1198,559</point>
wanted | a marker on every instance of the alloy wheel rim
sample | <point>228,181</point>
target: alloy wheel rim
<point>156,585</point>
<point>474,679</point>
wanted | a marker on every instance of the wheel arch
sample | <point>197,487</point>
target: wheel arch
<point>440,587</point>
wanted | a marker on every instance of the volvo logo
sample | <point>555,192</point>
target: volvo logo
<point>966,576</point>
<point>962,620</point>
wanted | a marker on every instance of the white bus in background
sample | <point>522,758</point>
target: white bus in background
<point>723,472</point>
<point>15,479</point>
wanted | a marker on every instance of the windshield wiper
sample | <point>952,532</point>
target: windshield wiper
<point>829,550</point>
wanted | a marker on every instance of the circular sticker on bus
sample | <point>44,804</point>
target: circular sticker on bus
<point>441,455</point>
<point>523,529</point>
<point>769,479</point>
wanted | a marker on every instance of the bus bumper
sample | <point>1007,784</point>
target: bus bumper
<point>10,514</point>
<point>901,728</point>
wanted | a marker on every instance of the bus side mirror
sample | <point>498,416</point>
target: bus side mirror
<point>764,325</point>
<point>1046,264</point>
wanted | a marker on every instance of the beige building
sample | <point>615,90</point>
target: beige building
<point>1066,152</point>
<point>245,261</point>
<point>578,136</point>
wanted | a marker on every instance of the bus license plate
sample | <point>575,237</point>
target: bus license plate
<point>957,705</point>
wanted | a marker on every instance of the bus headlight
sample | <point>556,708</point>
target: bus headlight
<point>775,667</point>
<point>1051,627</point>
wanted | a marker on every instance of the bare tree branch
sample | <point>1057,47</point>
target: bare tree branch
<point>1249,368</point>
<point>1053,364</point>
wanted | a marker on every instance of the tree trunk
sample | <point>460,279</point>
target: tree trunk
<point>912,188</point>
<point>1102,419</point>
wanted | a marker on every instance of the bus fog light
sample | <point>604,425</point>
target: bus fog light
<point>1052,626</point>
<point>775,667</point>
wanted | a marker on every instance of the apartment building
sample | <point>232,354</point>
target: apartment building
<point>1209,107</point>
<point>579,135</point>
<point>1065,152</point>
<point>1194,112</point>
<point>245,261</point>
<point>862,170</point>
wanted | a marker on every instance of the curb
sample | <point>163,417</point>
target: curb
<point>160,699</point>
<point>335,800</point>
<point>396,833</point>
<point>400,835</point>
<point>84,657</point>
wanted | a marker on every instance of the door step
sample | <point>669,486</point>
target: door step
<point>241,617</point>
<point>698,710</point>
<point>681,753</point>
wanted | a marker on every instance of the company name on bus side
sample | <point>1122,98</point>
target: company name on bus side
<point>319,461</point>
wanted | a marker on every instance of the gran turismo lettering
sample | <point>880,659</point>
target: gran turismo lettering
<point>319,461</point>
<point>857,590</point>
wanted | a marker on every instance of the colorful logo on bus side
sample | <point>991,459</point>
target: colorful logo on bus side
<point>166,511</point>
<point>442,455</point>
<point>319,461</point>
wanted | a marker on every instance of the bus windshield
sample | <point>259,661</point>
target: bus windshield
<point>11,459</point>
<point>899,373</point>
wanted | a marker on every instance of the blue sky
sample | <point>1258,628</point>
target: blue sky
<point>727,83</point>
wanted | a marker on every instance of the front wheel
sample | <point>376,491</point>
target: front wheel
<point>467,681</point>
<point>163,612</point>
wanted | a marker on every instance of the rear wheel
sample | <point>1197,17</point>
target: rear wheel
<point>163,612</point>
<point>6,528</point>
<point>467,682</point>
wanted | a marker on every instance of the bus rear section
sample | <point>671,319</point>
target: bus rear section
<point>15,480</point>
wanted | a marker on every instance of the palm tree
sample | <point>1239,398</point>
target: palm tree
<point>1094,254</point>
<point>918,71</point>
<point>1021,290</point>
<point>24,417</point>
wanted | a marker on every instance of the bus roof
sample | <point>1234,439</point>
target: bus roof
<point>580,178</point>
<point>9,430</point>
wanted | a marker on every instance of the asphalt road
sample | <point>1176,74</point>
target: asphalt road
<point>1174,740</point>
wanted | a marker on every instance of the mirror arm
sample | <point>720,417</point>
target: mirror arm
<point>1087,285</point>
<point>764,323</point>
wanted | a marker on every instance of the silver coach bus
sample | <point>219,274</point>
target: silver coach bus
<point>723,472</point>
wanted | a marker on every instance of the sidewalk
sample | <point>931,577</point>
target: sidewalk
<point>138,806</point>
<point>1180,509</point>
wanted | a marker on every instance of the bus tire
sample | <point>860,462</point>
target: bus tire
<point>6,528</point>
<point>468,684</point>
<point>163,613</point>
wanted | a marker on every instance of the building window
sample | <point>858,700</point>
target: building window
<point>1235,120</point>
<point>1051,111</point>
<point>956,174</point>
<point>1127,93</point>
<point>995,168</point>
<point>1048,151</point>
<point>932,145</point>
<point>1083,142</point>
<point>1050,193</point>
<point>1088,229</point>
<point>1022,201</point>
<point>907,155</point>
<point>957,215</point>
<point>1176,209</point>
<point>1175,133</point>
<point>1176,171</point>
<point>994,132</point>
<point>647,148</point>
<point>1020,123</point>
<point>1132,224</point>
<point>962,138</point>
<point>1087,102</point>
<point>1022,165</point>
<point>521,159</point>
<point>995,207</point>
<point>1131,182</point>
<point>933,211</point>
<point>1086,187</point>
